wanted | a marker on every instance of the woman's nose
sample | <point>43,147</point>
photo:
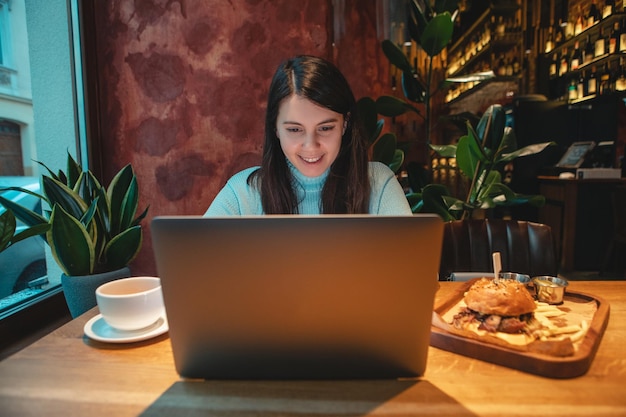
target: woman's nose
<point>311,140</point>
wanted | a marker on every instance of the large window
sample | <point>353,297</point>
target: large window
<point>40,120</point>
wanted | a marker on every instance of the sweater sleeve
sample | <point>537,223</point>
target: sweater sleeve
<point>387,197</point>
<point>236,198</point>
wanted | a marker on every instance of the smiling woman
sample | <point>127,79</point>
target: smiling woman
<point>315,157</point>
<point>40,63</point>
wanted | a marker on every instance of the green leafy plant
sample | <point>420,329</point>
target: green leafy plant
<point>90,229</point>
<point>431,27</point>
<point>382,148</point>
<point>8,226</point>
<point>480,156</point>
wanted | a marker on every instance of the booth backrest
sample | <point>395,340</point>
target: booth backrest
<point>525,247</point>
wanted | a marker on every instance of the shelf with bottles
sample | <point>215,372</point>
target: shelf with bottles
<point>503,67</point>
<point>562,36</point>
<point>462,90</point>
<point>610,78</point>
<point>496,30</point>
<point>559,69</point>
<point>582,23</point>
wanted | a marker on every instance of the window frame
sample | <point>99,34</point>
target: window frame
<point>33,318</point>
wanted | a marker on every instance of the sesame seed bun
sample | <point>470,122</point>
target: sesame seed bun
<point>505,297</point>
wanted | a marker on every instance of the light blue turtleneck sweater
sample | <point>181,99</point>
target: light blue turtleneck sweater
<point>239,198</point>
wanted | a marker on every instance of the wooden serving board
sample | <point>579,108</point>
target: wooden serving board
<point>526,361</point>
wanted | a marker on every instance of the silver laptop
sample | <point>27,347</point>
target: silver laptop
<point>298,297</point>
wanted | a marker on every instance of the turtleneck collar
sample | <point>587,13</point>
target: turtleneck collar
<point>308,183</point>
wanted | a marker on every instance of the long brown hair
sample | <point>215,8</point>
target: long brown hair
<point>347,188</point>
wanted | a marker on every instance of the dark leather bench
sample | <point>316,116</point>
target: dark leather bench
<point>525,247</point>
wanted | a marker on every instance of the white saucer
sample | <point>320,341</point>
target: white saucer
<point>98,329</point>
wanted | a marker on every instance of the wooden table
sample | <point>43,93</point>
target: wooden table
<point>67,374</point>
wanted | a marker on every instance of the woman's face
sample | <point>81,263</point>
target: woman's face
<point>310,135</point>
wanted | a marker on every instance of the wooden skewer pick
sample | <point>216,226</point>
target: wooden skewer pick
<point>497,265</point>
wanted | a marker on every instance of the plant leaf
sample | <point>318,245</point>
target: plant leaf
<point>142,216</point>
<point>60,194</point>
<point>27,216</point>
<point>446,151</point>
<point>39,229</point>
<point>129,205</point>
<point>395,55</point>
<point>123,248</point>
<point>385,148</point>
<point>74,170</point>
<point>412,88</point>
<point>70,243</point>
<point>525,151</point>
<point>437,34</point>
<point>432,196</point>
<point>119,202</point>
<point>7,229</point>
<point>468,155</point>
<point>24,190</point>
<point>490,128</point>
<point>507,144</point>
<point>391,106</point>
<point>398,160</point>
<point>54,175</point>
<point>87,187</point>
<point>415,201</point>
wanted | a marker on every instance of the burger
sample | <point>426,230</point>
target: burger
<point>502,305</point>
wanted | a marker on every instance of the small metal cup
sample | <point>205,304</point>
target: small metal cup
<point>523,278</point>
<point>550,289</point>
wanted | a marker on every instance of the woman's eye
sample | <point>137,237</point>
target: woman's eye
<point>326,128</point>
<point>293,129</point>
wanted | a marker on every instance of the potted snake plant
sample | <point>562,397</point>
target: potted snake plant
<point>93,231</point>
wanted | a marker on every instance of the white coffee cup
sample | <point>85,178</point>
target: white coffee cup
<point>131,303</point>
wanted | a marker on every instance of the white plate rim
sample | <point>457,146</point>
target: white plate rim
<point>124,337</point>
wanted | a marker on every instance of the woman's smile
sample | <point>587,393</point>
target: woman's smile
<point>310,135</point>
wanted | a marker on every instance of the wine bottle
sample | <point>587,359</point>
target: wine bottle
<point>564,64</point>
<point>559,36</point>
<point>554,65</point>
<point>589,51</point>
<point>604,86</point>
<point>572,90</point>
<point>600,45</point>
<point>578,26</point>
<point>592,82</point>
<point>594,14</point>
<point>607,10</point>
<point>614,39</point>
<point>581,86</point>
<point>620,80</point>
<point>516,65</point>
<point>501,66</point>
<point>576,59</point>
<point>501,28</point>
<point>549,41</point>
<point>622,37</point>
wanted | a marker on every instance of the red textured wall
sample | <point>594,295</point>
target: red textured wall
<point>183,86</point>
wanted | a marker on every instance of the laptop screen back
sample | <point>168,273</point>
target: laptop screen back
<point>299,296</point>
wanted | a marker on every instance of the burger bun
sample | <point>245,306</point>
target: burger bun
<point>502,297</point>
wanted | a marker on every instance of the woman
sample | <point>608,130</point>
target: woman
<point>315,153</point>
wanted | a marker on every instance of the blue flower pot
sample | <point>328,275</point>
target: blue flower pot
<point>80,291</point>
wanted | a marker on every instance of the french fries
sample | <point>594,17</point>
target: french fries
<point>549,330</point>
